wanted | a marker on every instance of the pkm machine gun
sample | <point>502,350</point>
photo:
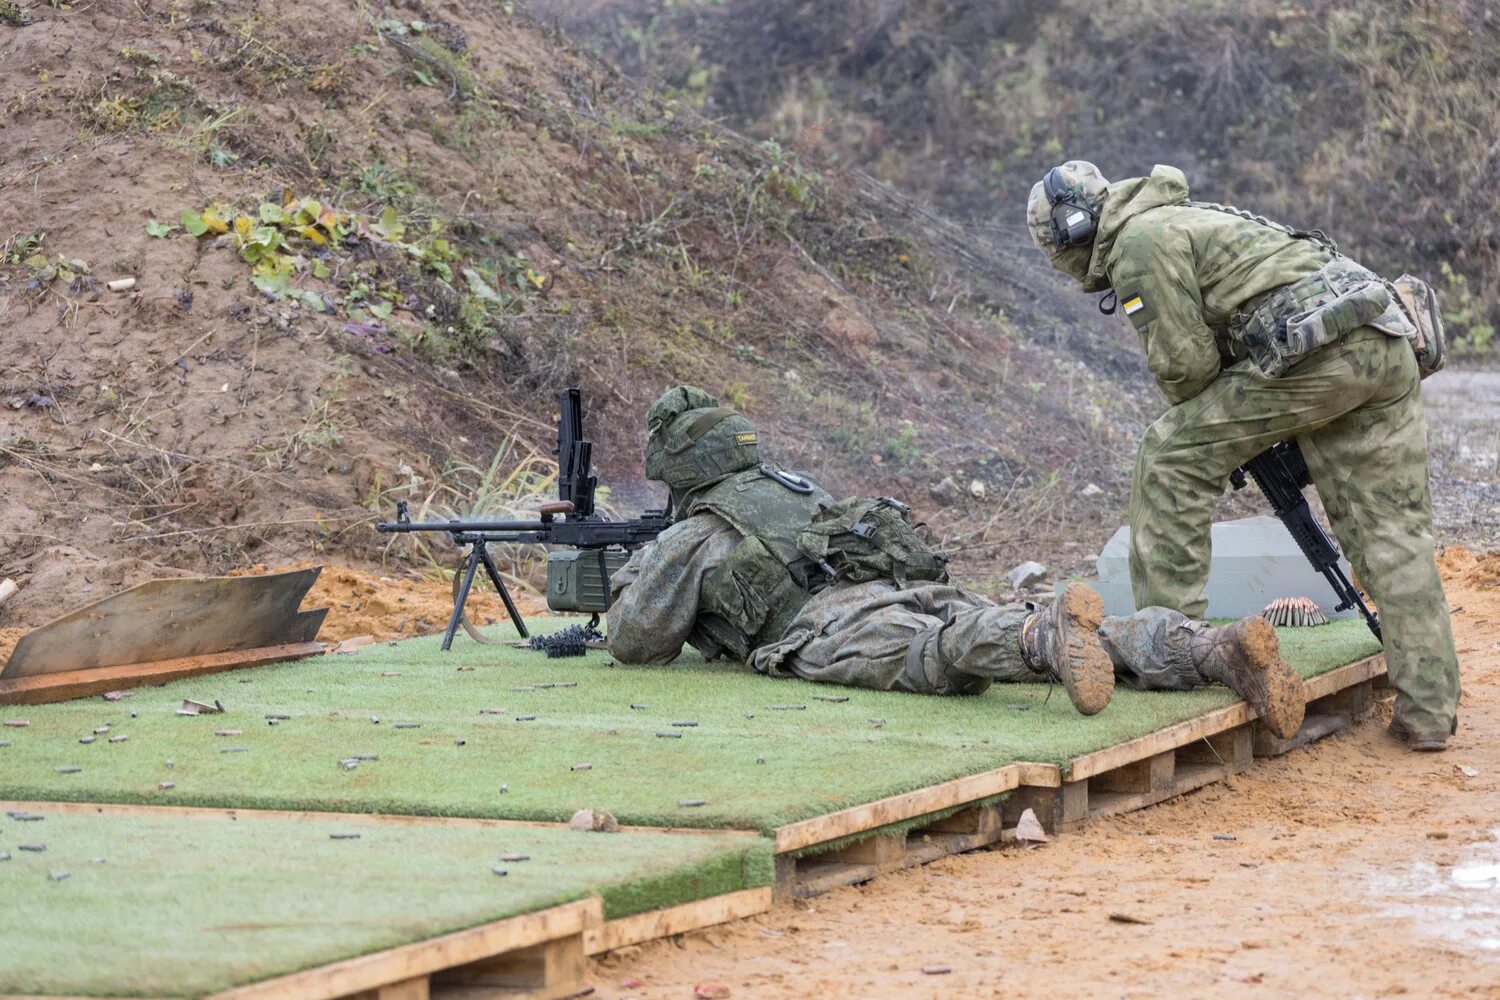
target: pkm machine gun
<point>577,580</point>
<point>1281,473</point>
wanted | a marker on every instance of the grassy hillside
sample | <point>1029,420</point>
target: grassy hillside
<point>1375,121</point>
<point>367,243</point>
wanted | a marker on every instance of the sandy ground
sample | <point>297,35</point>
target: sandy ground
<point>1357,869</point>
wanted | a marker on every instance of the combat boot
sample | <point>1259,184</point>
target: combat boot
<point>1433,744</point>
<point>1062,642</point>
<point>1246,658</point>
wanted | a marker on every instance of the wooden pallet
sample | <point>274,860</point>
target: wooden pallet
<point>1122,778</point>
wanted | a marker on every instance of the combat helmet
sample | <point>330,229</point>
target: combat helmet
<point>1062,214</point>
<point>692,441</point>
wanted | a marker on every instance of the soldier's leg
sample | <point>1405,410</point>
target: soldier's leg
<point>1370,468</point>
<point>1157,649</point>
<point>1186,456</point>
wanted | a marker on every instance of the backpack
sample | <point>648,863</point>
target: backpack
<point>1419,302</point>
<point>861,539</point>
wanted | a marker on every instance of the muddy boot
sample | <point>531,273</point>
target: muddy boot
<point>1246,658</point>
<point>1062,642</point>
<point>1435,744</point>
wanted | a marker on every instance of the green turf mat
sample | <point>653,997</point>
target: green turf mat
<point>754,762</point>
<point>168,904</point>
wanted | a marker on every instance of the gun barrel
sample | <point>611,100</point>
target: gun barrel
<point>459,527</point>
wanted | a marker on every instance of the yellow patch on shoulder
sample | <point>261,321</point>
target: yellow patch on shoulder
<point>1133,306</point>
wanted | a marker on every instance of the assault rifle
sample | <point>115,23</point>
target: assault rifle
<point>577,580</point>
<point>1281,472</point>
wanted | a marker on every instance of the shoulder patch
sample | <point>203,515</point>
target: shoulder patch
<point>1133,305</point>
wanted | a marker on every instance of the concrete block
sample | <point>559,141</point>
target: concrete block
<point>1255,561</point>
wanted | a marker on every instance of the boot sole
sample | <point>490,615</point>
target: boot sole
<point>1285,705</point>
<point>1088,674</point>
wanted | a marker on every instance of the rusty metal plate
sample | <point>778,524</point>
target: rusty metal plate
<point>171,619</point>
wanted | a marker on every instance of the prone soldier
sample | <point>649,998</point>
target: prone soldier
<point>762,565</point>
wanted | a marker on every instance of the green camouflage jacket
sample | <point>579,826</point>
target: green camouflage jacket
<point>1179,271</point>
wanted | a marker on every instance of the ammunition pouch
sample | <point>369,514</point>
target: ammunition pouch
<point>858,540</point>
<point>1285,325</point>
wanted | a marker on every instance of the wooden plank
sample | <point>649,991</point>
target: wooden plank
<point>164,620</point>
<point>1148,775</point>
<point>1232,748</point>
<point>41,689</point>
<point>976,819</point>
<point>895,809</point>
<point>1314,728</point>
<point>880,849</point>
<point>676,919</point>
<point>1189,778</point>
<point>1214,722</point>
<point>543,971</point>
<point>425,957</point>
<point>407,989</point>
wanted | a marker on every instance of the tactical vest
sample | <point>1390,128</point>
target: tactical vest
<point>766,580</point>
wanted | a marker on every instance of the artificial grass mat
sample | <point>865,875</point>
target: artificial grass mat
<point>171,904</point>
<point>752,761</point>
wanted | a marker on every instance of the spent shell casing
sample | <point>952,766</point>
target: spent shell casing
<point>459,742</point>
<point>343,836</point>
<point>515,857</point>
<point>58,875</point>
<point>234,749</point>
<point>87,739</point>
<point>640,708</point>
<point>408,725</point>
<point>690,803</point>
<point>166,785</point>
<point>581,767</point>
<point>67,769</point>
<point>686,723</point>
<point>831,697</point>
<point>669,736</point>
<point>26,817</point>
<point>100,730</point>
<point>119,739</point>
<point>348,763</point>
<point>4,855</point>
<point>278,716</point>
<point>229,732</point>
<point>525,718</point>
<point>33,848</point>
<point>499,871</point>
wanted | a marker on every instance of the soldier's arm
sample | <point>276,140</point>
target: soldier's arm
<point>656,591</point>
<point>1154,276</point>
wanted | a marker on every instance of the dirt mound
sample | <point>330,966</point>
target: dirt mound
<point>1473,570</point>
<point>266,269</point>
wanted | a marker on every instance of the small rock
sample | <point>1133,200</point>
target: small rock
<point>977,489</point>
<point>596,820</point>
<point>1091,490</point>
<point>710,991</point>
<point>946,492</point>
<point>1026,574</point>
<point>1467,771</point>
<point>936,970</point>
<point>1029,829</point>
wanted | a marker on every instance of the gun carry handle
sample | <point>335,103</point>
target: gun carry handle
<point>550,510</point>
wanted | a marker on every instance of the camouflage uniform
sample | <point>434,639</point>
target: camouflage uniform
<point>1184,275</point>
<point>926,638</point>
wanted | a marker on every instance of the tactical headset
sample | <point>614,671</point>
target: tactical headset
<point>1073,221</point>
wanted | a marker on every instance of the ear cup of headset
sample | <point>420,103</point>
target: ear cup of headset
<point>1073,223</point>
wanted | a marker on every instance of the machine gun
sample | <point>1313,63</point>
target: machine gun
<point>1281,472</point>
<point>577,580</point>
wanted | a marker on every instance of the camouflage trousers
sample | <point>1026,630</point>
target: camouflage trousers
<point>1355,408</point>
<point>937,639</point>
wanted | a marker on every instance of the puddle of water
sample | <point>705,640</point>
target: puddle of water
<point>1459,904</point>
